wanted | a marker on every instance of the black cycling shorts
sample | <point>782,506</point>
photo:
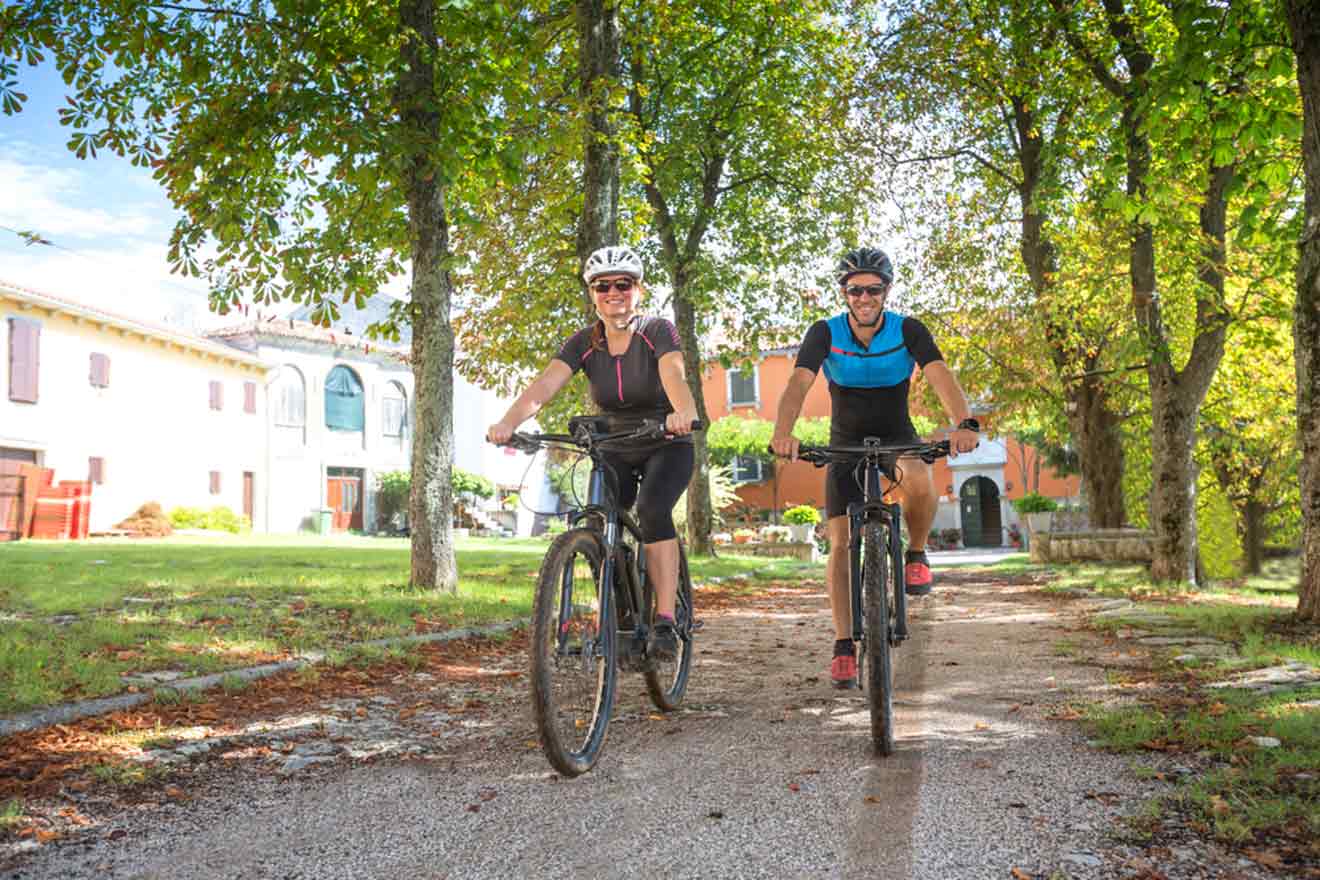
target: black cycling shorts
<point>653,476</point>
<point>843,482</point>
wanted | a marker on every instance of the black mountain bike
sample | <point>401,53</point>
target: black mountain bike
<point>594,607</point>
<point>875,566</point>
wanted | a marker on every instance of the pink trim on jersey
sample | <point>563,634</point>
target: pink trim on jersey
<point>618,371</point>
<point>644,339</point>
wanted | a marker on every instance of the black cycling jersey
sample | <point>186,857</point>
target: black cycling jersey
<point>626,387</point>
<point>860,412</point>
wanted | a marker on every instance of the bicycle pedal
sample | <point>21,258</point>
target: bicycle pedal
<point>696,625</point>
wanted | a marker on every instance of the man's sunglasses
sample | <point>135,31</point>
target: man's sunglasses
<point>875,290</point>
<point>619,284</point>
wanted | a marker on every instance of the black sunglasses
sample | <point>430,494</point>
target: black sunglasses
<point>876,290</point>
<point>620,284</point>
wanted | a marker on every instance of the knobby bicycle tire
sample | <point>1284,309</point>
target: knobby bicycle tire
<point>667,682</point>
<point>573,680</point>
<point>879,669</point>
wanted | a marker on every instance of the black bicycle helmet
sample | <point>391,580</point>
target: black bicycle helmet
<point>865,260</point>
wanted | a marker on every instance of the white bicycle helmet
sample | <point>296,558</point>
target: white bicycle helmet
<point>612,260</point>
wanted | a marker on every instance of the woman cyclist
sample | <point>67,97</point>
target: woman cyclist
<point>635,370</point>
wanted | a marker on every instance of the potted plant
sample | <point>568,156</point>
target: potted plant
<point>802,521</point>
<point>743,536</point>
<point>1037,510</point>
<point>775,534</point>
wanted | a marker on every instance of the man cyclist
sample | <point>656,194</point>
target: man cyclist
<point>868,354</point>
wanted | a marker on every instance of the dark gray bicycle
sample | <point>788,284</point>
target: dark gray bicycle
<point>594,607</point>
<point>875,566</point>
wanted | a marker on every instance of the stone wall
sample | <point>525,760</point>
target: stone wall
<point>1100,545</point>
<point>790,549</point>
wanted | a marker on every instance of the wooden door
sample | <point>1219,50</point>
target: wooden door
<point>344,497</point>
<point>970,502</point>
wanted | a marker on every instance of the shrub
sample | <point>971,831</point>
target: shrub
<point>188,518</point>
<point>392,488</point>
<point>148,521</point>
<point>1034,502</point>
<point>801,515</point>
<point>222,519</point>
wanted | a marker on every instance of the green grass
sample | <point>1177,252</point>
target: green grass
<point>212,604</point>
<point>1248,790</point>
<point>11,814</point>
<point>127,775</point>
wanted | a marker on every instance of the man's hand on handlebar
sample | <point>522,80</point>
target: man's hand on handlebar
<point>962,441</point>
<point>500,433</point>
<point>785,446</point>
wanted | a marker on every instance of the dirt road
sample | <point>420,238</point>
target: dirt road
<point>765,773</point>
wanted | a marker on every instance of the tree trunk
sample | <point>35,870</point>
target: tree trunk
<point>598,64</point>
<point>700,518</point>
<point>1304,24</point>
<point>430,503</point>
<point>1253,536</point>
<point>1091,421</point>
<point>1100,448</point>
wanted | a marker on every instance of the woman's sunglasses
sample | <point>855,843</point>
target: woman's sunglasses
<point>619,284</point>
<point>875,290</point>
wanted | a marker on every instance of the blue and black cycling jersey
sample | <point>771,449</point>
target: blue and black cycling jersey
<point>869,383</point>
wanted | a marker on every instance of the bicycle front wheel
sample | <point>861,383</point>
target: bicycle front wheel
<point>666,681</point>
<point>573,663</point>
<point>879,671</point>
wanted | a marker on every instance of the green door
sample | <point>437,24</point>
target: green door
<point>970,501</point>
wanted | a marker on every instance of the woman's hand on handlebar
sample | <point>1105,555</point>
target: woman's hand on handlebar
<point>500,433</point>
<point>680,424</point>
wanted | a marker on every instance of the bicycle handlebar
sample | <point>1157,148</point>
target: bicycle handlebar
<point>650,429</point>
<point>823,455</point>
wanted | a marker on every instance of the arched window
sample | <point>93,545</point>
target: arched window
<point>394,410</point>
<point>290,398</point>
<point>343,401</point>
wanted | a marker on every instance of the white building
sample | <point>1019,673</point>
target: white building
<point>146,413</point>
<point>273,417</point>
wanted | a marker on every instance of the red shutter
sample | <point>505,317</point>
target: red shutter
<point>249,397</point>
<point>96,470</point>
<point>100,376</point>
<point>24,359</point>
<point>215,482</point>
<point>217,395</point>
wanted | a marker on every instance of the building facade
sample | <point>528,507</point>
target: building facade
<point>975,490</point>
<point>144,413</point>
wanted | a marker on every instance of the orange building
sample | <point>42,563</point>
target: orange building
<point>975,489</point>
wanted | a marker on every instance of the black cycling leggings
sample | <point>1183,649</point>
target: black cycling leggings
<point>663,473</point>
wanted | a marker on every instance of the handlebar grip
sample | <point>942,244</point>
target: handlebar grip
<point>698,425</point>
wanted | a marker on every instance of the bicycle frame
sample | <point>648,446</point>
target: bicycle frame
<point>626,587</point>
<point>873,507</point>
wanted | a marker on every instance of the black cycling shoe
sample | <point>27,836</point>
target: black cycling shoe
<point>663,641</point>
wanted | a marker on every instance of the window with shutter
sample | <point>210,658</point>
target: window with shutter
<point>215,482</point>
<point>96,470</point>
<point>24,359</point>
<point>742,387</point>
<point>100,372</point>
<point>249,397</point>
<point>217,396</point>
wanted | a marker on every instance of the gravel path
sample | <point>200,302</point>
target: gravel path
<point>765,773</point>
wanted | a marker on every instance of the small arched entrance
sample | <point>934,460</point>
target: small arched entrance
<point>982,524</point>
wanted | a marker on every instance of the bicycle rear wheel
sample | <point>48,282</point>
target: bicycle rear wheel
<point>573,663</point>
<point>879,671</point>
<point>666,681</point>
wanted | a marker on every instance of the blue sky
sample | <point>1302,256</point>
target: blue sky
<point>110,222</point>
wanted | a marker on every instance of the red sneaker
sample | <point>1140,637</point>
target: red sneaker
<point>843,672</point>
<point>917,579</point>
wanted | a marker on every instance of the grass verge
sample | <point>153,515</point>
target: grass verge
<point>79,617</point>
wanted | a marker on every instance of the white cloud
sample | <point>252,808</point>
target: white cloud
<point>133,281</point>
<point>70,204</point>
